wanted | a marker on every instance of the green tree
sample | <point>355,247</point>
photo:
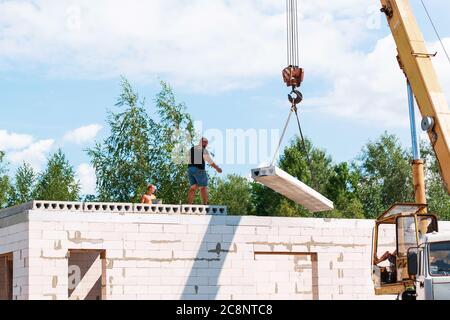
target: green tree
<point>123,161</point>
<point>438,197</point>
<point>57,182</point>
<point>295,161</point>
<point>341,190</point>
<point>172,137</point>
<point>23,189</point>
<point>384,175</point>
<point>5,184</point>
<point>235,192</point>
<point>265,200</point>
<point>142,150</point>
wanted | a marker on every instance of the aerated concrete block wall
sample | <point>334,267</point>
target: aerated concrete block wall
<point>78,252</point>
<point>14,241</point>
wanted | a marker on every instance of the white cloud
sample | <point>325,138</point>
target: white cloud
<point>83,134</point>
<point>373,87</point>
<point>14,141</point>
<point>86,175</point>
<point>224,44</point>
<point>35,154</point>
<point>231,43</point>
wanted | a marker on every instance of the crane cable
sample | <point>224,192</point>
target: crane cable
<point>295,97</point>
<point>435,29</point>
<point>305,150</point>
<point>292,33</point>
<point>294,109</point>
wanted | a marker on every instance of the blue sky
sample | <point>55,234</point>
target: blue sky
<point>60,68</point>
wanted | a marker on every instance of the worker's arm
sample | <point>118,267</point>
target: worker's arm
<point>384,257</point>
<point>219,170</point>
<point>210,161</point>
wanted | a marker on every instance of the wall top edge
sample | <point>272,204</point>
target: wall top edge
<point>110,207</point>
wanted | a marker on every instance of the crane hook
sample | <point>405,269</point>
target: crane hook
<point>295,97</point>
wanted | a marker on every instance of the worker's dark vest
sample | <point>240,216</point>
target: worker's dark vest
<point>197,160</point>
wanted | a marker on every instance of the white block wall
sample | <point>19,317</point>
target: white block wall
<point>177,256</point>
<point>14,239</point>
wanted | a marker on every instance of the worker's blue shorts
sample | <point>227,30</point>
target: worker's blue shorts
<point>197,177</point>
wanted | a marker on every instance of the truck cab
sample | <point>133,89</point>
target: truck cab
<point>429,267</point>
<point>405,253</point>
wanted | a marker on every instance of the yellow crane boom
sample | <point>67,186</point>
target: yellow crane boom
<point>416,63</point>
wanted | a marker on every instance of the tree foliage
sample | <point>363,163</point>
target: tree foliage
<point>57,182</point>
<point>384,175</point>
<point>173,136</point>
<point>142,150</point>
<point>4,182</point>
<point>23,189</point>
<point>123,161</point>
<point>438,197</point>
<point>235,192</point>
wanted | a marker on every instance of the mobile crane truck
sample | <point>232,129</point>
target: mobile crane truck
<point>420,265</point>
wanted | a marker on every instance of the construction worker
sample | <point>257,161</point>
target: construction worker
<point>198,178</point>
<point>391,257</point>
<point>149,197</point>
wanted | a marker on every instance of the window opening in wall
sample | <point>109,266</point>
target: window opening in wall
<point>87,275</point>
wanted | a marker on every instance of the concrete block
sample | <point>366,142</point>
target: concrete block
<point>196,229</point>
<point>204,210</point>
<point>256,221</point>
<point>108,207</point>
<point>135,290</point>
<point>292,188</point>
<point>54,235</point>
<point>150,228</point>
<point>286,231</point>
<point>245,230</point>
<point>114,245</point>
<point>18,228</point>
<point>57,206</point>
<point>157,209</point>
<point>72,226</point>
<point>218,220</point>
<point>162,219</point>
<point>196,220</point>
<point>163,290</point>
<point>177,229</point>
<point>222,229</point>
<point>34,234</point>
<point>335,232</point>
<point>126,227</point>
<point>101,227</point>
<point>212,238</point>
<point>266,230</point>
<point>193,281</point>
<point>132,236</point>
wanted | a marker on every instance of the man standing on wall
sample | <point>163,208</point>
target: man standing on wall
<point>198,178</point>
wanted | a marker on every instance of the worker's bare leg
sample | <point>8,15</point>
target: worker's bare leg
<point>191,194</point>
<point>204,195</point>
